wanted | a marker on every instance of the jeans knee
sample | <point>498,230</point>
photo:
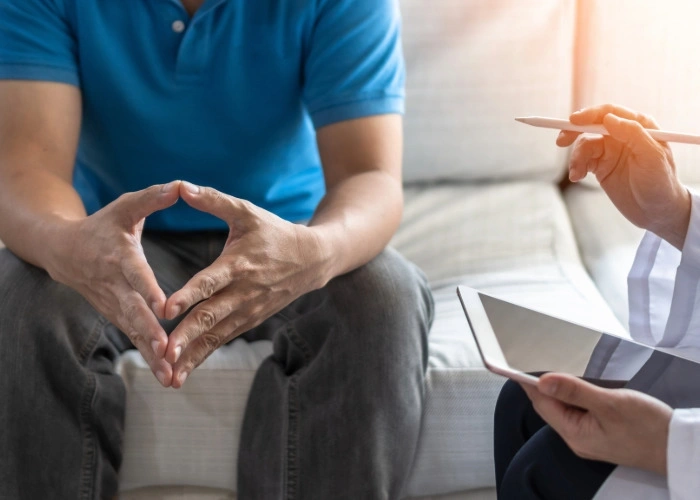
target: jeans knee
<point>386,289</point>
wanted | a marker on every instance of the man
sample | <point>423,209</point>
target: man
<point>608,427</point>
<point>272,113</point>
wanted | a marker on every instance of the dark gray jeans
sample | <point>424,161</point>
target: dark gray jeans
<point>335,412</point>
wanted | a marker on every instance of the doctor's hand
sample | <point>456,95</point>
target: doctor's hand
<point>101,257</point>
<point>266,264</point>
<point>619,426</point>
<point>637,173</point>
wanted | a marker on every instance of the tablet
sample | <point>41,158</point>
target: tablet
<point>520,343</point>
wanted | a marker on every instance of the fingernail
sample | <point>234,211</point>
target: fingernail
<point>175,311</point>
<point>155,308</point>
<point>561,134</point>
<point>183,377</point>
<point>167,187</point>
<point>190,187</point>
<point>155,345</point>
<point>161,377</point>
<point>178,351</point>
<point>577,112</point>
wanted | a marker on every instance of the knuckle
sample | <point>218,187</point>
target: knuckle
<point>132,275</point>
<point>206,319</point>
<point>210,341</point>
<point>580,144</point>
<point>217,196</point>
<point>130,311</point>
<point>646,120</point>
<point>207,286</point>
<point>124,199</point>
<point>246,207</point>
<point>135,337</point>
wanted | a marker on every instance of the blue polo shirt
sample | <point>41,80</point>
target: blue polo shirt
<point>229,98</point>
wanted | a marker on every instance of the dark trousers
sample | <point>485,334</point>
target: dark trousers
<point>335,412</point>
<point>532,461</point>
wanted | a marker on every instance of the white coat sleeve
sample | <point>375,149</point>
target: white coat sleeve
<point>683,465</point>
<point>664,296</point>
<point>664,290</point>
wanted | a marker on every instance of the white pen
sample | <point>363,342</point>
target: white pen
<point>556,123</point>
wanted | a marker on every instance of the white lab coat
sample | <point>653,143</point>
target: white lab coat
<point>664,302</point>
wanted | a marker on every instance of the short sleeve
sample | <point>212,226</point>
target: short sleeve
<point>37,42</point>
<point>354,65</point>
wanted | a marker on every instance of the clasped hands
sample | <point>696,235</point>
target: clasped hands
<point>266,264</point>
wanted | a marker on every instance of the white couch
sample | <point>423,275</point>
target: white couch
<point>483,208</point>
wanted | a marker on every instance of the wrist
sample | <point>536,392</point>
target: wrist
<point>318,255</point>
<point>56,243</point>
<point>661,462</point>
<point>673,225</point>
<point>656,460</point>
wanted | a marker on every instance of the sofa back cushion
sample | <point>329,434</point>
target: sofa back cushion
<point>474,65</point>
<point>646,56</point>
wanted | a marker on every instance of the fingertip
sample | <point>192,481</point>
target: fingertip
<point>178,380</point>
<point>174,311</point>
<point>551,383</point>
<point>566,138</point>
<point>611,118</point>
<point>548,386</point>
<point>173,354</point>
<point>155,346</point>
<point>187,188</point>
<point>614,123</point>
<point>628,132</point>
<point>576,174</point>
<point>158,307</point>
<point>560,138</point>
<point>578,117</point>
<point>169,187</point>
<point>169,193</point>
<point>164,373</point>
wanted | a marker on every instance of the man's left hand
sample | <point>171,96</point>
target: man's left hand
<point>619,426</point>
<point>266,263</point>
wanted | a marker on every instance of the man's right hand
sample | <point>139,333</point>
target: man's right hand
<point>637,173</point>
<point>101,257</point>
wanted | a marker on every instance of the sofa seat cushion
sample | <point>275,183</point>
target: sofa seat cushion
<point>513,240</point>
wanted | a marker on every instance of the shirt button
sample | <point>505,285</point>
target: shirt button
<point>178,26</point>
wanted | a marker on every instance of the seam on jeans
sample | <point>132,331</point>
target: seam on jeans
<point>88,469</point>
<point>92,339</point>
<point>88,472</point>
<point>292,475</point>
<point>292,479</point>
<point>299,341</point>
